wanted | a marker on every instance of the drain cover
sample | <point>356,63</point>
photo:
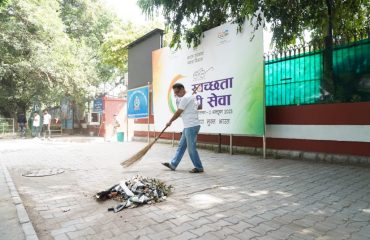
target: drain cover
<point>42,172</point>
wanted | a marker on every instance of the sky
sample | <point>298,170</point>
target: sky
<point>128,10</point>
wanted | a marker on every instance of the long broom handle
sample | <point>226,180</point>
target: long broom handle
<point>164,129</point>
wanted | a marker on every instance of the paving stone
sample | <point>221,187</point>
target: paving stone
<point>255,221</point>
<point>182,228</point>
<point>81,233</point>
<point>279,199</point>
<point>162,235</point>
<point>61,237</point>
<point>202,230</point>
<point>241,226</point>
<point>262,229</point>
<point>225,232</point>
<point>184,236</point>
<point>63,230</point>
<point>231,238</point>
<point>246,234</point>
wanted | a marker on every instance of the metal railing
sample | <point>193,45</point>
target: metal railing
<point>7,127</point>
<point>295,76</point>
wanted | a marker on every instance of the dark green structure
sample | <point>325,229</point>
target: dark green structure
<point>295,76</point>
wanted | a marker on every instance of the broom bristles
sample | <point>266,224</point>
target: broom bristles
<point>137,156</point>
<point>141,153</point>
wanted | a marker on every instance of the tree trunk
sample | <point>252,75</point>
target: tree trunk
<point>328,83</point>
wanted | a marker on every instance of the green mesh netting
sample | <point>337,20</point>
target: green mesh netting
<point>351,66</point>
<point>293,81</point>
<point>297,79</point>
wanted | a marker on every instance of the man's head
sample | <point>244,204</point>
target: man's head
<point>45,111</point>
<point>178,89</point>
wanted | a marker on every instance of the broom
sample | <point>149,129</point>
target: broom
<point>141,153</point>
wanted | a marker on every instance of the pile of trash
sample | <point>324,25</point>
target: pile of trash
<point>135,192</point>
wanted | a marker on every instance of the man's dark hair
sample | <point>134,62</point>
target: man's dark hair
<point>178,86</point>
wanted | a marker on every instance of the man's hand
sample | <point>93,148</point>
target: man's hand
<point>168,124</point>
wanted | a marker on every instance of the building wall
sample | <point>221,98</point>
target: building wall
<point>113,106</point>
<point>140,60</point>
<point>342,128</point>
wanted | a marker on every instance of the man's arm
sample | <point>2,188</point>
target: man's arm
<point>175,116</point>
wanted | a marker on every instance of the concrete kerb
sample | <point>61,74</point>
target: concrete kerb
<point>279,154</point>
<point>23,217</point>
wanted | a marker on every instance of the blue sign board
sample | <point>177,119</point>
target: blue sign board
<point>137,102</point>
<point>98,105</point>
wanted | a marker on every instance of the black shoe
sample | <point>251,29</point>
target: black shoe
<point>168,165</point>
<point>196,170</point>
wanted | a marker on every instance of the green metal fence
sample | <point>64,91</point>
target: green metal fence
<point>7,127</point>
<point>295,76</point>
<point>351,69</point>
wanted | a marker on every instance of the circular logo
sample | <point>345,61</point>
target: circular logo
<point>170,101</point>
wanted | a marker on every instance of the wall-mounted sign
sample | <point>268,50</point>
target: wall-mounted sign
<point>98,105</point>
<point>137,102</point>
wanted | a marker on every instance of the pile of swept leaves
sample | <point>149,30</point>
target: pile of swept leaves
<point>135,192</point>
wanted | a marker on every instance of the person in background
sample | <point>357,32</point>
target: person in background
<point>46,124</point>
<point>22,124</point>
<point>36,125</point>
<point>116,125</point>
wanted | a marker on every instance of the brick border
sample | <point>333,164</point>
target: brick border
<point>23,217</point>
<point>277,153</point>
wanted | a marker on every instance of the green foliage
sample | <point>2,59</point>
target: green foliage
<point>50,49</point>
<point>289,19</point>
<point>3,2</point>
<point>28,45</point>
<point>113,50</point>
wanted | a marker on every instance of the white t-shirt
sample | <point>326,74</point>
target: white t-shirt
<point>47,118</point>
<point>190,114</point>
<point>36,121</point>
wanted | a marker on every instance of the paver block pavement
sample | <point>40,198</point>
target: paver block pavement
<point>238,197</point>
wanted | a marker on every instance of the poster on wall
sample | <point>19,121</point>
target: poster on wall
<point>98,105</point>
<point>137,102</point>
<point>224,74</point>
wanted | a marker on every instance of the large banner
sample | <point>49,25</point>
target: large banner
<point>224,73</point>
<point>137,102</point>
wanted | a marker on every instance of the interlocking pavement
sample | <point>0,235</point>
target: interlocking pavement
<point>238,196</point>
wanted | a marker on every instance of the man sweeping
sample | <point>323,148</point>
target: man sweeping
<point>187,109</point>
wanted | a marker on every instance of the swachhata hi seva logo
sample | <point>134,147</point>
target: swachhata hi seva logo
<point>170,98</point>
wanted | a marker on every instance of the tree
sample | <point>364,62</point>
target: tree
<point>288,18</point>
<point>31,43</point>
<point>88,21</point>
<point>41,61</point>
<point>3,2</point>
<point>114,51</point>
